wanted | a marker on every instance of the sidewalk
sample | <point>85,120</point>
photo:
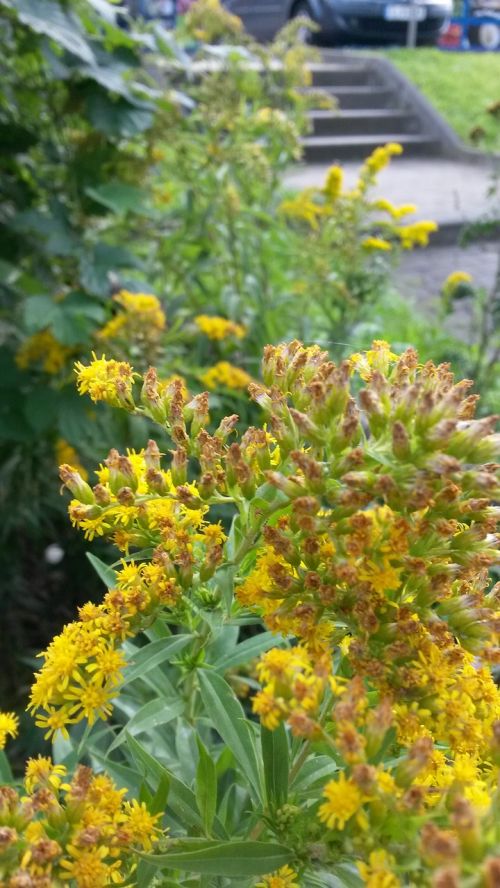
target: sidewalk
<point>449,192</point>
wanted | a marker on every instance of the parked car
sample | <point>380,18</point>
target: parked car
<point>340,20</point>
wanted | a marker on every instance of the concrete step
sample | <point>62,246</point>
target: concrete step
<point>363,97</point>
<point>347,74</point>
<point>374,121</point>
<point>329,149</point>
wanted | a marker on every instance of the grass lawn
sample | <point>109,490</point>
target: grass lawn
<point>460,85</point>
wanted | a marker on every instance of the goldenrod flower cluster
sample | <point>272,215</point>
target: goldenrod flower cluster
<point>322,208</point>
<point>9,726</point>
<point>285,877</point>
<point>44,349</point>
<point>225,375</point>
<point>80,831</point>
<point>208,21</point>
<point>136,504</point>
<point>109,381</point>
<point>369,494</point>
<point>140,319</point>
<point>66,454</point>
<point>218,328</point>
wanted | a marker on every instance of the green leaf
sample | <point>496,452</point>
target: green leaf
<point>103,571</point>
<point>39,312</point>
<point>230,859</point>
<point>47,17</point>
<point>275,755</point>
<point>206,787</point>
<point>247,650</point>
<point>40,407</point>
<point>118,197</point>
<point>317,769</point>
<point>228,718</point>
<point>154,654</point>
<point>151,715</point>
<point>181,799</point>
<point>116,118</point>
<point>6,775</point>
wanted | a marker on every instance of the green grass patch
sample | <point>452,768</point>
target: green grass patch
<point>462,86</point>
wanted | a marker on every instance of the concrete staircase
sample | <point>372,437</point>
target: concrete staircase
<point>371,110</point>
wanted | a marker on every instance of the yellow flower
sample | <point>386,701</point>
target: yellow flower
<point>44,349</point>
<point>219,328</point>
<point>225,374</point>
<point>9,726</point>
<point>140,824</point>
<point>67,455</point>
<point>41,771</point>
<point>333,184</point>
<point>88,867</point>
<point>285,877</point>
<point>109,381</point>
<point>303,208</point>
<point>376,243</point>
<point>416,234</point>
<point>377,873</point>
<point>396,212</point>
<point>343,800</point>
<point>141,318</point>
<point>458,277</point>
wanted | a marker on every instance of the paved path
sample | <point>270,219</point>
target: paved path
<point>421,273</point>
<point>450,193</point>
<point>446,191</point>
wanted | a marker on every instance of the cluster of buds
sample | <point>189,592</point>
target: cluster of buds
<point>80,829</point>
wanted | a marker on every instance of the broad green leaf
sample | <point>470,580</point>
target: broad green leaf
<point>49,18</point>
<point>113,117</point>
<point>39,312</point>
<point>118,197</point>
<point>154,654</point>
<point>228,718</point>
<point>151,715</point>
<point>230,859</point>
<point>247,650</point>
<point>40,407</point>
<point>206,787</point>
<point>103,571</point>
<point>275,755</point>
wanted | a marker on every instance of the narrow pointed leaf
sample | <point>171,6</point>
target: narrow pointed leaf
<point>151,715</point>
<point>275,755</point>
<point>228,718</point>
<point>230,859</point>
<point>103,571</point>
<point>154,654</point>
<point>206,787</point>
<point>247,650</point>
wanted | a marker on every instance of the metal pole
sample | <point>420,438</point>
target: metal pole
<point>411,31</point>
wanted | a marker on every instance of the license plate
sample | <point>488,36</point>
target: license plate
<point>398,12</point>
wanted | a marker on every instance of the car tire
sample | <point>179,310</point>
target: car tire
<point>487,35</point>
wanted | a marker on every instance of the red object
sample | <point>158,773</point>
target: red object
<point>452,37</point>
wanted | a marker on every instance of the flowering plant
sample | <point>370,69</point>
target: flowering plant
<point>361,535</point>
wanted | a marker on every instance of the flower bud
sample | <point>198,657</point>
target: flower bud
<point>152,455</point>
<point>178,466</point>
<point>400,441</point>
<point>76,485</point>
